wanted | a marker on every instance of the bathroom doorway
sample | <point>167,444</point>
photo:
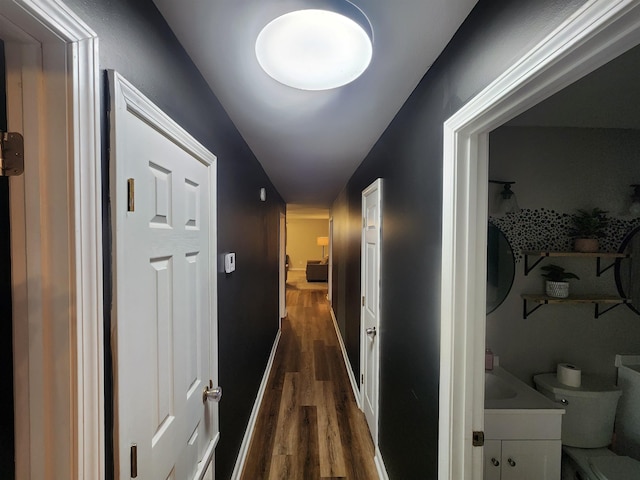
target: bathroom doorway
<point>598,32</point>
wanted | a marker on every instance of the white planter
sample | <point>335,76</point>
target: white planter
<point>557,289</point>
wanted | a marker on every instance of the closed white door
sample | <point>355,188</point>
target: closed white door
<point>164,310</point>
<point>370,311</point>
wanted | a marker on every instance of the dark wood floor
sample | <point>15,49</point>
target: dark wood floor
<point>309,426</point>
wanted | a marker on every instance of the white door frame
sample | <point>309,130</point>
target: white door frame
<point>330,277</point>
<point>282,240</point>
<point>56,237</point>
<point>596,33</point>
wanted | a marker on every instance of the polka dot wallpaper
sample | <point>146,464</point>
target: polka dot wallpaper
<point>548,230</point>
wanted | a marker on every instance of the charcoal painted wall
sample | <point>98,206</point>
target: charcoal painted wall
<point>409,159</point>
<point>135,41</point>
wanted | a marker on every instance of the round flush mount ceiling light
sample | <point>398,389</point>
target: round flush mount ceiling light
<point>317,49</point>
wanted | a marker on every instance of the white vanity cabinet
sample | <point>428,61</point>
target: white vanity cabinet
<point>522,430</point>
<point>522,459</point>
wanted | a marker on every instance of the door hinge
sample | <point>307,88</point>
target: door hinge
<point>363,300</point>
<point>11,154</point>
<point>364,222</point>
<point>478,439</point>
<point>134,460</point>
<point>362,379</point>
<point>131,195</point>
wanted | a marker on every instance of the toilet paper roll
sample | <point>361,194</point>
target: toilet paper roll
<point>569,375</point>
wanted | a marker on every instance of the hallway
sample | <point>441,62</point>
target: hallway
<point>309,426</point>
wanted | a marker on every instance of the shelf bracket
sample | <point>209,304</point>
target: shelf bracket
<point>528,268</point>
<point>526,313</point>
<point>600,270</point>
<point>599,313</point>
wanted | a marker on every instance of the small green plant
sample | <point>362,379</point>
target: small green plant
<point>555,273</point>
<point>589,223</point>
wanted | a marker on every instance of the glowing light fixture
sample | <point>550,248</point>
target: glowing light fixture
<point>318,48</point>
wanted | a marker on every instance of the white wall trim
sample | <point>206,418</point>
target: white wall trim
<point>57,206</point>
<point>251,425</point>
<point>343,349</point>
<point>596,33</point>
<point>377,459</point>
<point>380,468</point>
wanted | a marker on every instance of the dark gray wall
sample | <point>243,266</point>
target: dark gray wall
<point>408,157</point>
<point>135,41</point>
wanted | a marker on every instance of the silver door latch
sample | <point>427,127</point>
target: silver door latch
<point>11,154</point>
<point>211,393</point>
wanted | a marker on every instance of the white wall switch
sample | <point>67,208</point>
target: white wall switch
<point>229,262</point>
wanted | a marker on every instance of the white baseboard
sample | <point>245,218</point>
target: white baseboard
<point>244,448</point>
<point>382,471</point>
<point>347,364</point>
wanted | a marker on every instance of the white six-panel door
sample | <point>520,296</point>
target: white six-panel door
<point>370,311</point>
<point>164,309</point>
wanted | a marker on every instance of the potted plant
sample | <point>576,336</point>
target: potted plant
<point>556,285</point>
<point>588,227</point>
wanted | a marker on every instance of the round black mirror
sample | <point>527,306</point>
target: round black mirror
<point>628,270</point>
<point>500,267</point>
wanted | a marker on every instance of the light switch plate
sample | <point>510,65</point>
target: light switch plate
<point>229,262</point>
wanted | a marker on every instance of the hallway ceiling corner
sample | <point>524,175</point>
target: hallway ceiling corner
<point>311,142</point>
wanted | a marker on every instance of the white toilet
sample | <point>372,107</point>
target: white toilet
<point>587,429</point>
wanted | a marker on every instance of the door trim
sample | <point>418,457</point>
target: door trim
<point>597,32</point>
<point>56,225</point>
<point>282,293</point>
<point>330,262</point>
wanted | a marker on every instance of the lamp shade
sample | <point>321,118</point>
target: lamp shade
<point>323,241</point>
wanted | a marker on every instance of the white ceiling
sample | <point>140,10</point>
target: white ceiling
<point>310,143</point>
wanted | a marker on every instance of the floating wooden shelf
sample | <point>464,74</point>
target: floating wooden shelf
<point>597,255</point>
<point>597,300</point>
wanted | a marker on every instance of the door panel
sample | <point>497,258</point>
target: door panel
<point>164,308</point>
<point>370,313</point>
<point>492,459</point>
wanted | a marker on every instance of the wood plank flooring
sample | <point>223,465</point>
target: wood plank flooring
<point>309,426</point>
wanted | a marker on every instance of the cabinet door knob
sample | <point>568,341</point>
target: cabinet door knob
<point>511,462</point>
<point>495,462</point>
